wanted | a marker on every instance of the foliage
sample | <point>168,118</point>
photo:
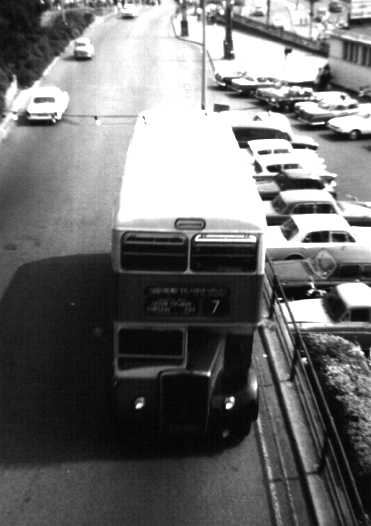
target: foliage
<point>345,376</point>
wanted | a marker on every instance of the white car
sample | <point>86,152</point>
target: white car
<point>129,10</point>
<point>352,126</point>
<point>303,236</point>
<point>260,148</point>
<point>273,163</point>
<point>83,48</point>
<point>48,104</point>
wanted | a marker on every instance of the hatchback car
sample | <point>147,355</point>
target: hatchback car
<point>48,104</point>
<point>83,48</point>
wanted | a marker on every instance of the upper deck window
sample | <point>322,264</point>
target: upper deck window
<point>154,251</point>
<point>224,253</point>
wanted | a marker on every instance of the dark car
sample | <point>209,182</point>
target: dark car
<point>364,93</point>
<point>302,277</point>
<point>283,99</point>
<point>297,179</point>
<point>335,6</point>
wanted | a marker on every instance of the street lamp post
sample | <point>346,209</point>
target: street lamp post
<point>184,21</point>
<point>204,52</point>
<point>228,42</point>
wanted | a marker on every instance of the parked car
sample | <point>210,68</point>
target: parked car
<point>352,126</point>
<point>264,125</point>
<point>305,235</point>
<point>284,99</point>
<point>289,202</point>
<point>47,104</point>
<point>344,311</point>
<point>248,84</point>
<point>300,278</point>
<point>226,72</point>
<point>270,186</point>
<point>319,114</point>
<point>273,163</point>
<point>261,148</point>
<point>83,48</point>
<point>327,97</point>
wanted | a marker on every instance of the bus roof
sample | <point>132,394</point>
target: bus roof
<point>187,164</point>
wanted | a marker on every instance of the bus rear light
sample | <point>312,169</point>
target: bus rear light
<point>229,402</point>
<point>139,403</point>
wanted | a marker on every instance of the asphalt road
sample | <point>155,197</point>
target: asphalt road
<point>61,462</point>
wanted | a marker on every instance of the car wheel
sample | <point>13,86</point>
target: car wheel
<point>354,135</point>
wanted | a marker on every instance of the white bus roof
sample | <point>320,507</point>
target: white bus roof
<point>187,165</point>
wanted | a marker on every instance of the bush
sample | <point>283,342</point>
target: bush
<point>345,376</point>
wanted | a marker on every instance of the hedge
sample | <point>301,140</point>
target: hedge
<point>28,54</point>
<point>345,375</point>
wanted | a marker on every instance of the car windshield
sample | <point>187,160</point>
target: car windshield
<point>334,307</point>
<point>279,205</point>
<point>41,100</point>
<point>289,229</point>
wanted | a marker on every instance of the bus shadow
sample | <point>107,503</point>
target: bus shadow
<point>55,360</point>
<point>56,368</point>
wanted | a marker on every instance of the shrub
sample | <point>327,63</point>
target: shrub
<point>345,376</point>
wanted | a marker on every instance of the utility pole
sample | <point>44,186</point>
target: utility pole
<point>204,52</point>
<point>184,22</point>
<point>228,42</point>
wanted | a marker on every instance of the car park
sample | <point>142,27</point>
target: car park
<point>345,310</point>
<point>47,104</point>
<point>293,202</point>
<point>352,127</point>
<point>248,84</point>
<point>305,235</point>
<point>320,113</point>
<point>301,278</point>
<point>270,186</point>
<point>83,48</point>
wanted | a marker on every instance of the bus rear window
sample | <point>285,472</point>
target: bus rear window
<point>224,253</point>
<point>154,251</point>
<point>148,343</point>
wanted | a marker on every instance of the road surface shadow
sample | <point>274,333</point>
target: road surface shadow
<point>55,367</point>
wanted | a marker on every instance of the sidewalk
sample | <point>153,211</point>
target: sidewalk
<point>254,54</point>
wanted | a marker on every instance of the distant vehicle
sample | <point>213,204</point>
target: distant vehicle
<point>299,179</point>
<point>298,277</point>
<point>305,235</point>
<point>226,72</point>
<point>264,125</point>
<point>83,48</point>
<point>321,14</point>
<point>48,104</point>
<point>344,311</point>
<point>335,6</point>
<point>129,10</point>
<point>290,202</point>
<point>273,163</point>
<point>248,84</point>
<point>352,126</point>
<point>258,11</point>
<point>285,98</point>
<point>319,114</point>
<point>364,93</point>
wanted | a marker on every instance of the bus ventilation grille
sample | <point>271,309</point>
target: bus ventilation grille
<point>142,251</point>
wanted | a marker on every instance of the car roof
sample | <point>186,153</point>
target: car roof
<point>262,144</point>
<point>355,294</point>
<point>83,40</point>
<point>312,222</point>
<point>297,196</point>
<point>46,90</point>
<point>244,118</point>
<point>298,173</point>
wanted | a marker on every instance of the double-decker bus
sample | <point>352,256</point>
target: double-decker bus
<point>188,261</point>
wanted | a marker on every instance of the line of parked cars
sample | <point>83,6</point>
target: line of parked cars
<point>346,116</point>
<point>318,246</point>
